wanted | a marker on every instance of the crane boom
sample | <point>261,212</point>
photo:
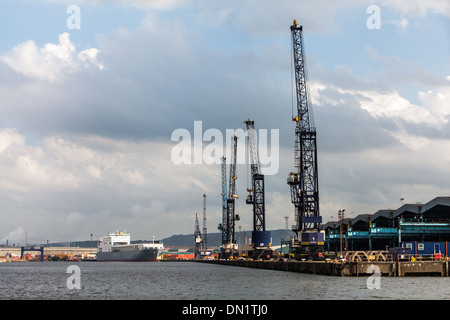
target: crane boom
<point>303,182</point>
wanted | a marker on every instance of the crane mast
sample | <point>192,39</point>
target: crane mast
<point>197,239</point>
<point>303,182</point>
<point>204,244</point>
<point>256,193</point>
<point>232,217</point>
<point>224,194</point>
<point>228,205</point>
<point>256,197</point>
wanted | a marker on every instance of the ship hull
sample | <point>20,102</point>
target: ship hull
<point>129,255</point>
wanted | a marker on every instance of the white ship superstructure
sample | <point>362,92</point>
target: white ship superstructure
<point>116,246</point>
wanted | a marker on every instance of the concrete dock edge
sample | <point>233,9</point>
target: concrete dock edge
<point>331,268</point>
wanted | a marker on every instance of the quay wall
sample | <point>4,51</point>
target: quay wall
<point>385,268</point>
<point>58,251</point>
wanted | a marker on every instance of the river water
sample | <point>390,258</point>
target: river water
<point>199,281</point>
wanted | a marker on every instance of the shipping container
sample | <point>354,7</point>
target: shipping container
<point>429,249</point>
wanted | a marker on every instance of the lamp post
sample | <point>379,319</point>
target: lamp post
<point>287,238</point>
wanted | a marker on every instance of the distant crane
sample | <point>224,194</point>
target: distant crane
<point>222,225</point>
<point>197,239</point>
<point>229,245</point>
<point>256,197</point>
<point>204,242</point>
<point>303,183</point>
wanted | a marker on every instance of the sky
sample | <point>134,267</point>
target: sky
<point>94,94</point>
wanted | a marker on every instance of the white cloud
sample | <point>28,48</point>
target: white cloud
<point>383,99</point>
<point>10,137</point>
<point>376,178</point>
<point>437,101</point>
<point>400,24</point>
<point>155,4</point>
<point>392,105</point>
<point>51,62</point>
<point>95,184</point>
<point>418,8</point>
<point>26,167</point>
<point>375,144</point>
<point>141,4</point>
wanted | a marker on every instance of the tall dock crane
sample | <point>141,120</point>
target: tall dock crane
<point>197,239</point>
<point>303,182</point>
<point>260,237</point>
<point>229,245</point>
<point>222,225</point>
<point>204,237</point>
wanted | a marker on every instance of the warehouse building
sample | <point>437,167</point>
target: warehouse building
<point>425,228</point>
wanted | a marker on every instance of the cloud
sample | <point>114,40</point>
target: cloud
<point>384,97</point>
<point>156,4</point>
<point>51,62</point>
<point>412,169</point>
<point>26,167</point>
<point>10,137</point>
<point>162,5</point>
<point>375,145</point>
<point>400,24</point>
<point>357,113</point>
<point>398,72</point>
<point>372,110</point>
<point>159,77</point>
<point>92,184</point>
<point>417,8</point>
<point>17,235</point>
<point>394,106</point>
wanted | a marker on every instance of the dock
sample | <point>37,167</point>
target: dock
<point>332,268</point>
<point>18,252</point>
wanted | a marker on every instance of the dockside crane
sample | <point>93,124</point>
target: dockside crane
<point>222,225</point>
<point>229,245</point>
<point>204,236</point>
<point>256,197</point>
<point>197,239</point>
<point>304,186</point>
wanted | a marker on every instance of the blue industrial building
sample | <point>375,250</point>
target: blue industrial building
<point>425,228</point>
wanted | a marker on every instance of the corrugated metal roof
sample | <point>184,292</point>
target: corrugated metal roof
<point>438,206</point>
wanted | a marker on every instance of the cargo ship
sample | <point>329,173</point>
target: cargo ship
<point>116,246</point>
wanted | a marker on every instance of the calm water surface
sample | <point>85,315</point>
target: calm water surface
<point>199,281</point>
